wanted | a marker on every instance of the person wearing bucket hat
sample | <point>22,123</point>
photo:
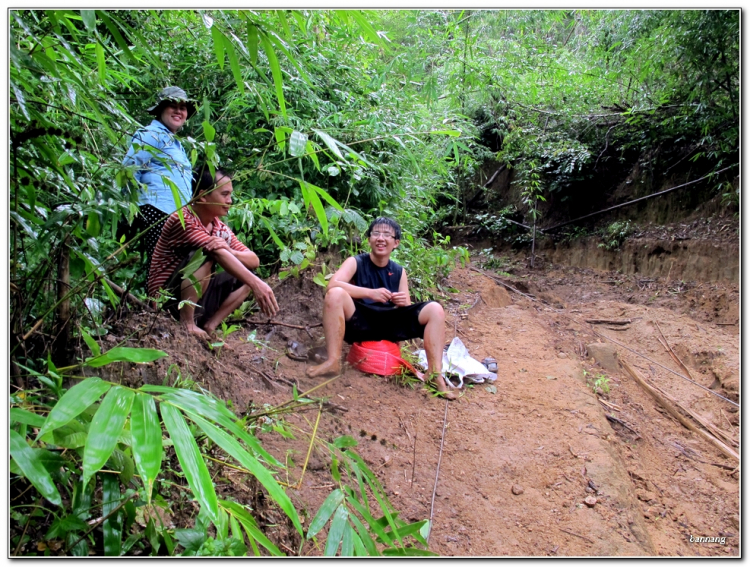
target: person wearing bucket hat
<point>162,167</point>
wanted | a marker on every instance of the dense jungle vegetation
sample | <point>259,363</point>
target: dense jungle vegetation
<point>327,119</point>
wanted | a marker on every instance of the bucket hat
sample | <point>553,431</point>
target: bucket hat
<point>172,94</point>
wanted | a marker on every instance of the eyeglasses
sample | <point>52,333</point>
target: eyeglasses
<point>383,234</point>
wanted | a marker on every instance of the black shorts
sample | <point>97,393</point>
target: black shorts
<point>399,324</point>
<point>219,287</point>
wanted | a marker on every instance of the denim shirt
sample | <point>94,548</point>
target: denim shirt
<point>158,153</point>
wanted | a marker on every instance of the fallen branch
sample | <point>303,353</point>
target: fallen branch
<point>613,419</point>
<point>609,321</point>
<point>700,419</point>
<point>280,324</point>
<point>660,398</point>
<point>577,535</point>
<point>610,405</point>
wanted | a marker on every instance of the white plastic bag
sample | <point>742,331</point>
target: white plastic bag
<point>456,360</point>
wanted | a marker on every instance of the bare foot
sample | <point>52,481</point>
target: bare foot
<point>328,368</point>
<point>198,332</point>
<point>444,390</point>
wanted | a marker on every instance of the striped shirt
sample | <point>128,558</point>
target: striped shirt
<point>175,243</point>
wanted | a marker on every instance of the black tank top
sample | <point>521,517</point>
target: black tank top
<point>373,277</point>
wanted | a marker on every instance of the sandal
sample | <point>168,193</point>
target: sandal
<point>490,363</point>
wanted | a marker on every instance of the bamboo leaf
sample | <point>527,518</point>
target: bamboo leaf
<point>218,39</point>
<point>310,196</point>
<point>101,63</point>
<point>208,131</point>
<point>372,522</point>
<point>176,196</point>
<point>408,552</point>
<point>147,446</point>
<point>28,462</point>
<point>91,343</point>
<point>297,143</point>
<point>19,415</point>
<point>73,402</point>
<point>347,542</point>
<point>364,537</point>
<point>210,409</point>
<point>233,448</point>
<point>126,354</point>
<point>274,236</point>
<point>248,522</point>
<point>191,460</point>
<point>117,35</point>
<point>323,193</point>
<point>105,428</point>
<point>326,510</point>
<point>112,527</point>
<point>331,143</point>
<point>89,20</point>
<point>370,32</point>
<point>252,42</point>
<point>312,153</point>
<point>275,72</point>
<point>234,64</point>
<point>451,133</point>
<point>336,532</point>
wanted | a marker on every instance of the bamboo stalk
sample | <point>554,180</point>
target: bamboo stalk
<point>657,395</point>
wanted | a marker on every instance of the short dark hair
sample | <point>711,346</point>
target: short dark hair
<point>204,182</point>
<point>388,222</point>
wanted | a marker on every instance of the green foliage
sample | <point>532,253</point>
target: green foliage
<point>599,384</point>
<point>615,234</point>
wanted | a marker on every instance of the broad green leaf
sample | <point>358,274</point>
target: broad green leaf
<point>408,552</point>
<point>218,40</point>
<point>281,14</point>
<point>297,143</point>
<point>364,537</point>
<point>19,415</point>
<point>147,447</point>
<point>275,237</point>
<point>252,42</point>
<point>234,64</point>
<point>310,196</point>
<point>112,527</point>
<point>121,462</point>
<point>370,32</point>
<point>191,460</point>
<point>101,63</point>
<point>331,143</point>
<point>28,462</point>
<point>105,429</point>
<point>208,131</point>
<point>347,542</point>
<point>451,133</point>
<point>323,193</point>
<point>89,20</point>
<point>126,354</point>
<point>275,72</point>
<point>344,441</point>
<point>336,532</point>
<point>372,522</point>
<point>91,343</point>
<point>73,402</point>
<point>233,448</point>
<point>409,529</point>
<point>176,196</point>
<point>190,538</point>
<point>326,510</point>
<point>311,152</point>
<point>248,522</point>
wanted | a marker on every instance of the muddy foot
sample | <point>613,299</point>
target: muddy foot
<point>328,368</point>
<point>445,391</point>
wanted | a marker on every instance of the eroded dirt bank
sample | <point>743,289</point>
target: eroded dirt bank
<point>519,463</point>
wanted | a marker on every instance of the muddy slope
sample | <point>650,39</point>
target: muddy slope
<point>535,467</point>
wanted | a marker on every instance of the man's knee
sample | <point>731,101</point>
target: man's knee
<point>335,297</point>
<point>433,311</point>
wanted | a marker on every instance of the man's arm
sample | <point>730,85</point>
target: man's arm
<point>248,258</point>
<point>261,290</point>
<point>344,275</point>
<point>401,297</point>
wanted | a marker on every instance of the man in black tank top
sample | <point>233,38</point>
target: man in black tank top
<point>368,300</point>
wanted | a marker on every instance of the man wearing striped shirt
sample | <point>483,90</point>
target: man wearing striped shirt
<point>220,293</point>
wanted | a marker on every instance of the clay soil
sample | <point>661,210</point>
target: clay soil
<point>518,460</point>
